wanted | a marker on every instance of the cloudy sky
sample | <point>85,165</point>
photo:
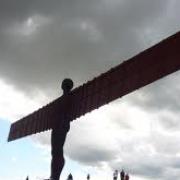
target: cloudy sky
<point>42,42</point>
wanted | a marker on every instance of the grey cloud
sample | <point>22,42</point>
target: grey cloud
<point>147,165</point>
<point>170,122</point>
<point>165,144</point>
<point>161,100</point>
<point>91,155</point>
<point>88,144</point>
<point>66,47</point>
<point>161,94</point>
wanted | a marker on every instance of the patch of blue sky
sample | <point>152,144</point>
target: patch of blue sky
<point>20,157</point>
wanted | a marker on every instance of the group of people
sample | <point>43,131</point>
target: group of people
<point>123,175</point>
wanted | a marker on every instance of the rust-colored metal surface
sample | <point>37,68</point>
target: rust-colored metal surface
<point>141,70</point>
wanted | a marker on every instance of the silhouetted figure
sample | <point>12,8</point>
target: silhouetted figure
<point>122,174</point>
<point>88,177</point>
<point>126,177</point>
<point>27,178</point>
<point>59,132</point>
<point>115,175</point>
<point>70,177</point>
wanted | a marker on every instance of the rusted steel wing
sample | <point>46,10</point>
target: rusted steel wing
<point>141,70</point>
<point>40,120</point>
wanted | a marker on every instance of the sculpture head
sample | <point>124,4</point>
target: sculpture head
<point>67,85</point>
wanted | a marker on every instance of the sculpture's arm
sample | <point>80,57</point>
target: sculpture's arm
<point>38,121</point>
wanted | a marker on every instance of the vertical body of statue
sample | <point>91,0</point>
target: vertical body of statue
<point>59,132</point>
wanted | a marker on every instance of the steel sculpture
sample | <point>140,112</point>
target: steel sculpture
<point>139,71</point>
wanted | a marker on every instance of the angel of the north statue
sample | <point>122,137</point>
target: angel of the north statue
<point>139,71</point>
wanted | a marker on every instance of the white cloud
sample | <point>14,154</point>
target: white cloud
<point>14,104</point>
